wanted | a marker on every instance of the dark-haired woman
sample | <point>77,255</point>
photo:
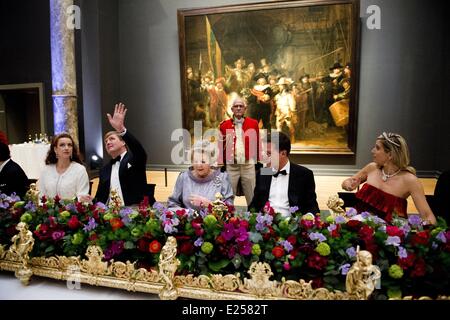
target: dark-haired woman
<point>64,175</point>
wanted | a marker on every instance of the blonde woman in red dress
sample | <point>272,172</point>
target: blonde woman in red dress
<point>390,180</point>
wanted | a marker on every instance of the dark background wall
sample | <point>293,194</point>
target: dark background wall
<point>25,47</point>
<point>129,53</point>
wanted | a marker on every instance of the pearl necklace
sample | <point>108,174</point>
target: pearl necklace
<point>387,176</point>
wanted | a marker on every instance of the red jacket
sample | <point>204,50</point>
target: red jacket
<point>227,141</point>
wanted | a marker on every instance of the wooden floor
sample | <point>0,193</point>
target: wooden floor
<point>325,187</point>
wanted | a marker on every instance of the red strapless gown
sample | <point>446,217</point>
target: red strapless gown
<point>380,203</point>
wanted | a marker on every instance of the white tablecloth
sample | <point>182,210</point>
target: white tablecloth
<point>31,157</point>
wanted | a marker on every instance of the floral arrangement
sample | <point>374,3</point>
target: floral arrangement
<point>414,259</point>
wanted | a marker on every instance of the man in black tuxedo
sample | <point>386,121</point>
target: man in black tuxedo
<point>291,186</point>
<point>125,173</point>
<point>12,176</point>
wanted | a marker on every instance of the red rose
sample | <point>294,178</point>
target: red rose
<point>372,248</point>
<point>366,233</point>
<point>180,213</point>
<point>73,222</point>
<point>197,223</point>
<point>234,221</point>
<point>244,223</point>
<point>354,224</point>
<point>220,240</point>
<point>80,207</point>
<point>319,224</point>
<point>316,261</point>
<point>154,246</point>
<point>278,252</point>
<point>116,223</point>
<point>394,231</point>
<point>93,237</point>
<point>419,268</point>
<point>307,224</point>
<point>199,232</point>
<point>143,245</point>
<point>186,248</point>
<point>292,239</point>
<point>420,238</point>
<point>407,262</point>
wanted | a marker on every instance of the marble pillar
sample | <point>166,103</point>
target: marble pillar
<point>62,41</point>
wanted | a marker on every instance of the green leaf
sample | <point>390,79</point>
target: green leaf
<point>216,266</point>
<point>50,249</point>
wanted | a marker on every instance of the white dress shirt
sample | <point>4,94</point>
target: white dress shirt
<point>115,181</point>
<point>72,183</point>
<point>278,196</point>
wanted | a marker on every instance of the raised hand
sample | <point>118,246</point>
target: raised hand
<point>118,119</point>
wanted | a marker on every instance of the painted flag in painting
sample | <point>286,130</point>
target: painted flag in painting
<point>214,51</point>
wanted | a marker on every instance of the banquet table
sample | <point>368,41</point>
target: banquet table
<point>30,156</point>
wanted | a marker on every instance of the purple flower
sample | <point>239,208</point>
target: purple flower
<point>351,252</point>
<point>91,225</point>
<point>344,268</point>
<point>203,212</point>
<point>378,220</point>
<point>414,220</point>
<point>287,246</point>
<point>317,236</point>
<point>228,231</point>
<point>101,205</point>
<point>108,254</point>
<point>117,247</point>
<point>365,215</point>
<point>331,227</point>
<point>293,209</point>
<point>4,205</point>
<point>339,220</point>
<point>382,229</point>
<point>260,226</point>
<point>125,212</point>
<point>198,242</point>
<point>245,247</point>
<point>441,237</point>
<point>168,228</point>
<point>13,197</point>
<point>351,212</point>
<point>393,241</point>
<point>402,253</point>
<point>231,252</point>
<point>434,245</point>
<point>30,206</point>
<point>158,206</point>
<point>57,235</point>
<point>405,228</point>
<point>241,234</point>
<point>71,207</point>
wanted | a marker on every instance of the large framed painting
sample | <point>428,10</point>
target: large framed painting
<point>295,63</point>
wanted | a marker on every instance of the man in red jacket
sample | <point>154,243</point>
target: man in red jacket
<point>239,139</point>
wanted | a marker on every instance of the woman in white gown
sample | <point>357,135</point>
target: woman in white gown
<point>64,175</point>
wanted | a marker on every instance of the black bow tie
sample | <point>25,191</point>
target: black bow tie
<point>115,160</point>
<point>282,172</point>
